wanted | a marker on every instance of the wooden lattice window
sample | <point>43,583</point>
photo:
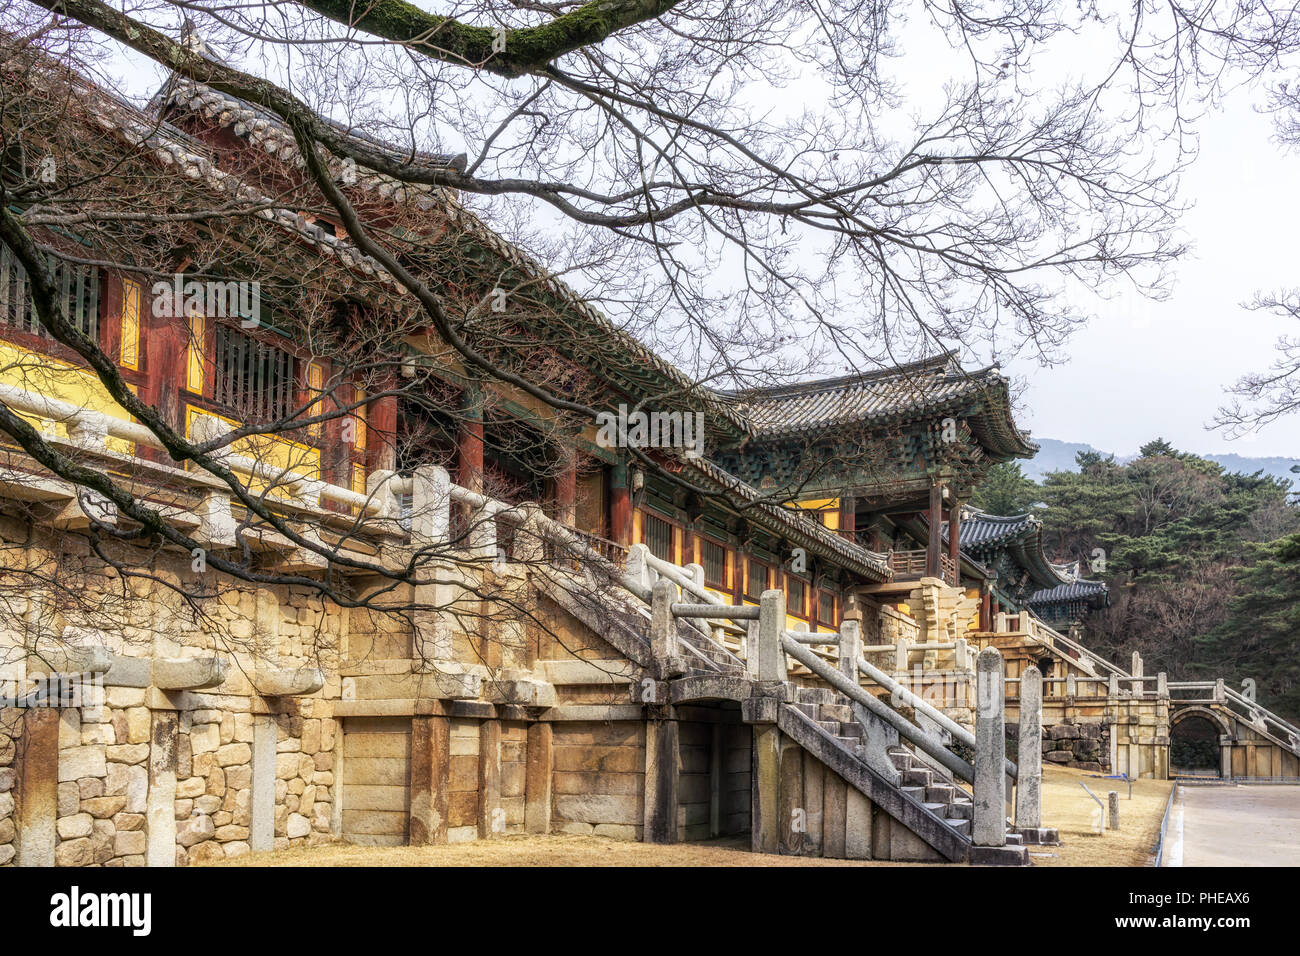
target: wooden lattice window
<point>77,287</point>
<point>658,535</point>
<point>714,559</point>
<point>254,380</point>
<point>796,595</point>
<point>756,580</point>
<point>826,607</point>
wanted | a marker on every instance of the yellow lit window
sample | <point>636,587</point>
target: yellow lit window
<point>130,355</point>
<point>194,373</point>
<point>315,381</point>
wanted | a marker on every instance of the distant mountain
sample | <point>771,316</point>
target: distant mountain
<point>1054,455</point>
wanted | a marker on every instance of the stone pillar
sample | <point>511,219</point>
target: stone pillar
<point>857,825</point>
<point>1113,801</point>
<point>933,550</point>
<point>790,799</point>
<point>1162,685</point>
<point>36,794</point>
<point>765,826</point>
<point>537,779</point>
<point>661,781</point>
<point>663,626</point>
<point>990,827</point>
<point>430,506</point>
<point>160,805</point>
<point>491,816</point>
<point>1030,763</point>
<point>430,779</point>
<point>261,835</point>
<point>1136,671</point>
<point>766,659</point>
<point>850,649</point>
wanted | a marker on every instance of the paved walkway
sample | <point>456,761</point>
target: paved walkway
<point>1234,826</point>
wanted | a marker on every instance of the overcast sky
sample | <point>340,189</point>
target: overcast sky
<point>1142,369</point>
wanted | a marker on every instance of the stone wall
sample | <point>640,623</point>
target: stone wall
<point>106,778</point>
<point>1084,745</point>
<point>599,778</point>
<point>10,728</point>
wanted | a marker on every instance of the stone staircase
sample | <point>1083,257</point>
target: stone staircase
<point>947,802</point>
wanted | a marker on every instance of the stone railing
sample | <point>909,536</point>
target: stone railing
<point>89,433</point>
<point>1259,717</point>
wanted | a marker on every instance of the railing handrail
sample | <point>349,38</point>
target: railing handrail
<point>94,426</point>
<point>855,692</point>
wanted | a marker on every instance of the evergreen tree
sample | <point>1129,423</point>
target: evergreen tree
<point>1005,491</point>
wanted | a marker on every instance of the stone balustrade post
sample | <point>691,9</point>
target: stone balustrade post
<point>850,649</point>
<point>430,507</point>
<point>1029,761</point>
<point>663,626</point>
<point>766,659</point>
<point>990,825</point>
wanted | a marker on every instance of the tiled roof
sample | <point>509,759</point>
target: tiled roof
<point>980,531</point>
<point>268,132</point>
<point>1080,590</point>
<point>918,389</point>
<point>796,524</point>
<point>1018,536</point>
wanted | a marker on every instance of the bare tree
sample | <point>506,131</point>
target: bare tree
<point>636,146</point>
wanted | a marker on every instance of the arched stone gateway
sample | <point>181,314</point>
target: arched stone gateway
<point>1250,741</point>
<point>1196,741</point>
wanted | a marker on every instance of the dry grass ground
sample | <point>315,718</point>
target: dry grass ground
<point>1072,812</point>
<point>1065,806</point>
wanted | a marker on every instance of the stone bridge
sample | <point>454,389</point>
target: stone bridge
<point>1253,742</point>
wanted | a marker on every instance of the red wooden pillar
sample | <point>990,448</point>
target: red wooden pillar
<point>848,518</point>
<point>954,536</point>
<point>933,564</point>
<point>165,363</point>
<point>620,505</point>
<point>381,431</point>
<point>986,608</point>
<point>469,444</point>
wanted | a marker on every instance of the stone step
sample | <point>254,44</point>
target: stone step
<point>851,728</point>
<point>841,712</point>
<point>832,727</point>
<point>918,777</point>
<point>1014,839</point>
<point>963,809</point>
<point>810,709</point>
<point>941,793</point>
<point>815,695</point>
<point>960,824</point>
<point>901,761</point>
<point>916,793</point>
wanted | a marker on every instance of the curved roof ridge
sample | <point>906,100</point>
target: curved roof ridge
<point>944,360</point>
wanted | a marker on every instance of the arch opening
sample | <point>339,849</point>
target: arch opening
<point>1194,747</point>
